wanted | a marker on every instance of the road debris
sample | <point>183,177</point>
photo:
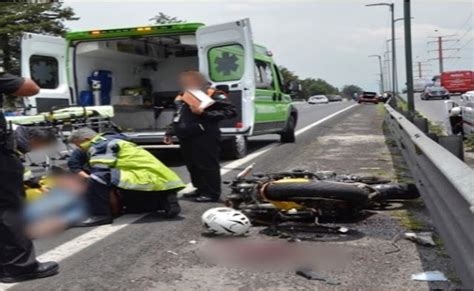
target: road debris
<point>311,275</point>
<point>193,242</point>
<point>422,238</point>
<point>429,276</point>
<point>173,253</point>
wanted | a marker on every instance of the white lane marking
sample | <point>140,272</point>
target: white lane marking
<point>97,234</point>
<point>83,241</point>
<point>308,127</point>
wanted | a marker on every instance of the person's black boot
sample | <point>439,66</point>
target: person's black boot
<point>193,194</point>
<point>42,270</point>
<point>95,221</point>
<point>171,205</point>
<point>205,198</point>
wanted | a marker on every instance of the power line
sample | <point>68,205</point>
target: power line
<point>464,24</point>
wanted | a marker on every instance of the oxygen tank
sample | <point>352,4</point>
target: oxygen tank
<point>96,91</point>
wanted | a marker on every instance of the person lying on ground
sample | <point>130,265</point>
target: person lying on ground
<point>143,182</point>
<point>57,209</point>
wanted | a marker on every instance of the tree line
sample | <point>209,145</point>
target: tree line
<point>312,86</point>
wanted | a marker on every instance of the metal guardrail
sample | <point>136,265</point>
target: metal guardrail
<point>447,188</point>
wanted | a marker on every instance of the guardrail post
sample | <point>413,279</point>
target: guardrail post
<point>433,136</point>
<point>421,123</point>
<point>454,144</point>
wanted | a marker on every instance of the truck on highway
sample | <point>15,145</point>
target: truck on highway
<point>419,85</point>
<point>457,82</point>
<point>135,69</point>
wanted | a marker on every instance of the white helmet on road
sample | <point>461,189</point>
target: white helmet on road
<point>225,221</point>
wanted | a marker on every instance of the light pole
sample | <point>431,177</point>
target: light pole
<point>394,58</point>
<point>387,61</point>
<point>382,87</point>
<point>394,77</point>
<point>395,64</point>
<point>409,58</point>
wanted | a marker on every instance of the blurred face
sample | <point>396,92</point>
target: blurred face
<point>190,81</point>
<point>38,144</point>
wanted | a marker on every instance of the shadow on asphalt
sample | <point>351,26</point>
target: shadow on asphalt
<point>173,158</point>
<point>154,217</point>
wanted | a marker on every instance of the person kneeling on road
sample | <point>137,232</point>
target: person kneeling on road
<point>143,182</point>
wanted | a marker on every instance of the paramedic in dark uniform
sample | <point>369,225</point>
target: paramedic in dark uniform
<point>17,256</point>
<point>199,136</point>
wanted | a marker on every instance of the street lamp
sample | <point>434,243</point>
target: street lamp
<point>395,64</point>
<point>394,58</point>
<point>382,89</point>
<point>391,68</point>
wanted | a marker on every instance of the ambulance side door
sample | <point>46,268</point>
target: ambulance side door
<point>43,59</point>
<point>226,58</point>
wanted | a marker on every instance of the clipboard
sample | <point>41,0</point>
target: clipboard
<point>197,98</point>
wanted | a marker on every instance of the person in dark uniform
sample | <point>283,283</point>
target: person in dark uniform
<point>78,163</point>
<point>199,136</point>
<point>17,256</point>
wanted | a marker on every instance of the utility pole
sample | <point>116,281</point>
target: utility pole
<point>440,54</point>
<point>440,40</point>
<point>421,68</point>
<point>409,58</point>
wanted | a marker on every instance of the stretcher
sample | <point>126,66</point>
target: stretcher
<point>62,122</point>
<point>68,115</point>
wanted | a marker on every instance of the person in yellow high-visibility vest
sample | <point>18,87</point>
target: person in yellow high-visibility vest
<point>141,179</point>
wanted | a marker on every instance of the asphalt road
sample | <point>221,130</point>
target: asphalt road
<point>146,252</point>
<point>99,258</point>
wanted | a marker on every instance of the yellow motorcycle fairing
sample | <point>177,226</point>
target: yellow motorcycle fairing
<point>288,205</point>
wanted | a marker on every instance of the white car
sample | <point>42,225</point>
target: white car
<point>318,99</point>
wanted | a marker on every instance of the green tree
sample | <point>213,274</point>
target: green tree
<point>288,75</point>
<point>162,18</point>
<point>311,86</point>
<point>16,18</point>
<point>349,90</point>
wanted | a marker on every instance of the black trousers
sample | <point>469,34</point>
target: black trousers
<point>16,250</point>
<point>201,155</point>
<point>98,199</point>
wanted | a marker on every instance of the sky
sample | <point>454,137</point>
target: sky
<point>327,39</point>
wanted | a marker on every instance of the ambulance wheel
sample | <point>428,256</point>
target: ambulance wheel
<point>234,147</point>
<point>288,135</point>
